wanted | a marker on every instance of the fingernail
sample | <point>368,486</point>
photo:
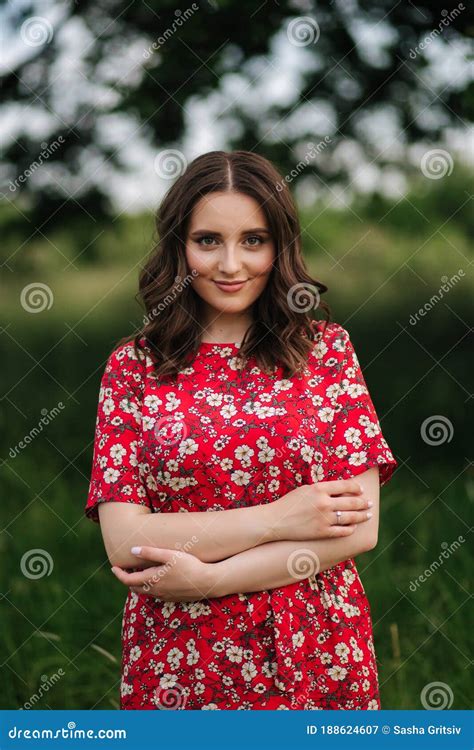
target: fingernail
<point>136,550</point>
<point>369,514</point>
<point>361,489</point>
<point>113,570</point>
<point>370,503</point>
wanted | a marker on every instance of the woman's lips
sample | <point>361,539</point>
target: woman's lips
<point>230,287</point>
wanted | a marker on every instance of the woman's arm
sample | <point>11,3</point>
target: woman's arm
<point>270,565</point>
<point>210,536</point>
<point>280,563</point>
<point>307,511</point>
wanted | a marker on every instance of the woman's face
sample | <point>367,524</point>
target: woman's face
<point>229,241</point>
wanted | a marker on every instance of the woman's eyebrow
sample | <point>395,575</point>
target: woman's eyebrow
<point>261,230</point>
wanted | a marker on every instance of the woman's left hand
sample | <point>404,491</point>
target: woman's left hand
<point>178,576</point>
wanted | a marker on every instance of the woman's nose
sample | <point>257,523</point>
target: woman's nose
<point>229,260</point>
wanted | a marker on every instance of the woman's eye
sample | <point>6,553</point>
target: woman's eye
<point>255,237</point>
<point>209,240</point>
<point>201,240</point>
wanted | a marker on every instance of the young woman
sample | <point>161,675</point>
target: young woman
<point>237,463</point>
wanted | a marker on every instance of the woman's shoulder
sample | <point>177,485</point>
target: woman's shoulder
<point>128,360</point>
<point>329,338</point>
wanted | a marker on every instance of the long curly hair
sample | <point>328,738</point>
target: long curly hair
<point>282,331</point>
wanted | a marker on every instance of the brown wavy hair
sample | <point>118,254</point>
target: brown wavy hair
<point>282,331</point>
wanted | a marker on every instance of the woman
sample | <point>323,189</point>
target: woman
<point>229,434</point>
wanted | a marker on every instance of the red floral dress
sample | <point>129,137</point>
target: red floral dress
<point>223,437</point>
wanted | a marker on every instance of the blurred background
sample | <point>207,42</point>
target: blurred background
<point>366,109</point>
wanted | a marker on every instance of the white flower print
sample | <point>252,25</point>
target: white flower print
<point>135,653</point>
<point>266,454</point>
<point>337,672</point>
<point>298,639</point>
<point>152,403</point>
<point>188,446</point>
<point>172,402</point>
<point>111,475</point>
<point>243,453</point>
<point>214,399</point>
<point>240,477</point>
<point>117,452</point>
<point>234,653</point>
<point>358,458</point>
<point>108,406</point>
<point>168,681</point>
<point>228,411</point>
<point>326,414</point>
<point>307,453</point>
<point>249,671</point>
<point>174,657</point>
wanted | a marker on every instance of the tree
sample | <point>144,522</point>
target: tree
<point>147,60</point>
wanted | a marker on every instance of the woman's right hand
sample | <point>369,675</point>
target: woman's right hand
<point>310,511</point>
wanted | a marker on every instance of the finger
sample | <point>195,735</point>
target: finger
<point>142,591</point>
<point>342,486</point>
<point>348,502</point>
<point>336,531</point>
<point>156,554</point>
<point>349,517</point>
<point>133,579</point>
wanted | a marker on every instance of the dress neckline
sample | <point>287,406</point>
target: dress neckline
<point>211,343</point>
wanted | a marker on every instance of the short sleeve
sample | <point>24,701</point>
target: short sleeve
<point>116,471</point>
<point>356,442</point>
